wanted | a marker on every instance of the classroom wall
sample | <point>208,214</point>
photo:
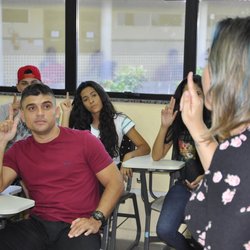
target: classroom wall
<point>147,119</point>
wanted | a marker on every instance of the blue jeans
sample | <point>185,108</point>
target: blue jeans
<point>172,216</point>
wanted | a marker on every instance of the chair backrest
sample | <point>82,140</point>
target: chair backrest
<point>126,146</point>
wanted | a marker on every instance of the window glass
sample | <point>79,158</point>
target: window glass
<point>33,32</point>
<point>132,46</point>
<point>210,12</point>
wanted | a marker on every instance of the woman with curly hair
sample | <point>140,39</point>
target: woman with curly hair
<point>93,110</point>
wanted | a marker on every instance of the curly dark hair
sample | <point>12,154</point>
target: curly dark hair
<point>178,125</point>
<point>81,118</point>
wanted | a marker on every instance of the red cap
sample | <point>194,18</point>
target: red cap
<point>28,71</point>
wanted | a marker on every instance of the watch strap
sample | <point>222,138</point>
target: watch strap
<point>98,215</point>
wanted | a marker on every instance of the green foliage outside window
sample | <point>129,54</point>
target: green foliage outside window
<point>129,78</point>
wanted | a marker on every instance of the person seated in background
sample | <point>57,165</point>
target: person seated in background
<point>171,70</point>
<point>173,133</point>
<point>218,213</point>
<point>26,75</point>
<point>62,169</point>
<point>92,110</point>
<point>53,71</point>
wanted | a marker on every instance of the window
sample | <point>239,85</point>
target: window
<point>132,46</point>
<point>33,32</point>
<point>210,12</point>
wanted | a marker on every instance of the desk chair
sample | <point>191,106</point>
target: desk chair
<point>109,232</point>
<point>158,202</point>
<point>151,202</point>
<point>10,190</point>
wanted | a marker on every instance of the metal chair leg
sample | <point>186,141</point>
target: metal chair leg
<point>111,237</point>
<point>105,236</point>
<point>138,224</point>
<point>114,227</point>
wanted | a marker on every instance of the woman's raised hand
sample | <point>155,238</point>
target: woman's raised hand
<point>191,105</point>
<point>66,104</point>
<point>168,114</point>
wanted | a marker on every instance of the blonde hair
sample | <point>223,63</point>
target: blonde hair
<point>229,67</point>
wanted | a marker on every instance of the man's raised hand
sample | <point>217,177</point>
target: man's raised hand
<point>8,127</point>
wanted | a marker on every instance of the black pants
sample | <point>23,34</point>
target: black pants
<point>37,234</point>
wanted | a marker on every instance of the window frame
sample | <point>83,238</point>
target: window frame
<point>71,42</point>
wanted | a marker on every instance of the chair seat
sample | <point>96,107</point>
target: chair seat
<point>157,203</point>
<point>126,195</point>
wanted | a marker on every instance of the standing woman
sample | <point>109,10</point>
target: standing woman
<point>218,213</point>
<point>93,110</point>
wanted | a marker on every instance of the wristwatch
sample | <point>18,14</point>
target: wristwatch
<point>98,215</point>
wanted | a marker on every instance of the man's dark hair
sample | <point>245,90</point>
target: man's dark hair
<point>36,89</point>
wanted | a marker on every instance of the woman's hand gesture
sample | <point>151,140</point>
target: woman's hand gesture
<point>66,104</point>
<point>168,114</point>
<point>191,106</point>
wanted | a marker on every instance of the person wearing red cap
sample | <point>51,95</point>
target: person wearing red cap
<point>26,75</point>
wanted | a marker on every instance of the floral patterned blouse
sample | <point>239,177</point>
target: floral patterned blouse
<point>218,213</point>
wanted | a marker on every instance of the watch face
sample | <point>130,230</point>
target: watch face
<point>98,215</point>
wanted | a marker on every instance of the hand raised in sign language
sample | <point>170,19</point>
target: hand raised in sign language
<point>66,106</point>
<point>15,105</point>
<point>8,127</point>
